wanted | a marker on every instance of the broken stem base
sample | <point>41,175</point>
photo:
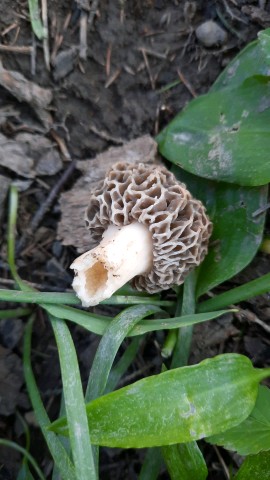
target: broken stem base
<point>123,253</point>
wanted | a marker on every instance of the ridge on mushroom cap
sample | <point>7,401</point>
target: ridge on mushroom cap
<point>152,195</point>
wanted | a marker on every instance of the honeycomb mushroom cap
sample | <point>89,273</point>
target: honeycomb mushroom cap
<point>152,195</point>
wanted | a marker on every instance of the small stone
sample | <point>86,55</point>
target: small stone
<point>210,34</point>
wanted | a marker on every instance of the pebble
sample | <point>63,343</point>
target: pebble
<point>210,34</point>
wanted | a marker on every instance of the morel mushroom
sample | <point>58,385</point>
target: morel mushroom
<point>150,229</point>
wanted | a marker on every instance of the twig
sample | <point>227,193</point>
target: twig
<point>16,35</point>
<point>228,25</point>
<point>9,29</point>
<point>187,84</point>
<point>44,207</point>
<point>112,78</point>
<point>83,35</point>
<point>152,53</point>
<point>59,38</point>
<point>251,317</point>
<point>33,54</point>
<point>46,48</point>
<point>148,68</point>
<point>16,49</point>
<point>93,13</point>
<point>61,145</point>
<point>108,60</point>
<point>232,14</point>
<point>223,464</point>
<point>106,136</point>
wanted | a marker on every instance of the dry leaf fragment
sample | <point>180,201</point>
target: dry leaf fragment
<point>71,228</point>
<point>26,91</point>
<point>29,155</point>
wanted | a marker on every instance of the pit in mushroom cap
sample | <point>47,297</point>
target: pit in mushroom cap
<point>175,228</point>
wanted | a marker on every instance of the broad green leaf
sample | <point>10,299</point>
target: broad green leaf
<point>253,434</point>
<point>237,232</point>
<point>255,467</point>
<point>177,406</point>
<point>224,135</point>
<point>185,461</point>
<point>249,62</point>
<point>264,43</point>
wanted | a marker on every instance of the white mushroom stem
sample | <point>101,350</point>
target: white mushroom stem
<point>123,253</point>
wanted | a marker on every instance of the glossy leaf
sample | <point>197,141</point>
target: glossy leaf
<point>237,232</point>
<point>253,434</point>
<point>249,62</point>
<point>177,406</point>
<point>185,461</point>
<point>224,135</point>
<point>255,467</point>
<point>264,44</point>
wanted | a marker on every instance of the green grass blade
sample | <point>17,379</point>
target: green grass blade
<point>15,313</point>
<point>182,348</point>
<point>259,286</point>
<point>25,453</point>
<point>35,19</point>
<point>185,461</point>
<point>58,452</point>
<point>38,297</point>
<point>11,234</point>
<point>108,348</point>
<point>98,324</point>
<point>93,323</point>
<point>71,299</point>
<point>137,300</point>
<point>109,345</point>
<point>11,237</point>
<point>152,464</point>
<point>74,403</point>
<point>123,364</point>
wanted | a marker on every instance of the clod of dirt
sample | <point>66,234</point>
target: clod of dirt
<point>211,34</point>
<point>65,62</point>
<point>29,155</point>
<point>11,380</point>
<point>73,204</point>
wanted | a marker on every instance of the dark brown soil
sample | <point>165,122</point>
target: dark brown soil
<point>126,87</point>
